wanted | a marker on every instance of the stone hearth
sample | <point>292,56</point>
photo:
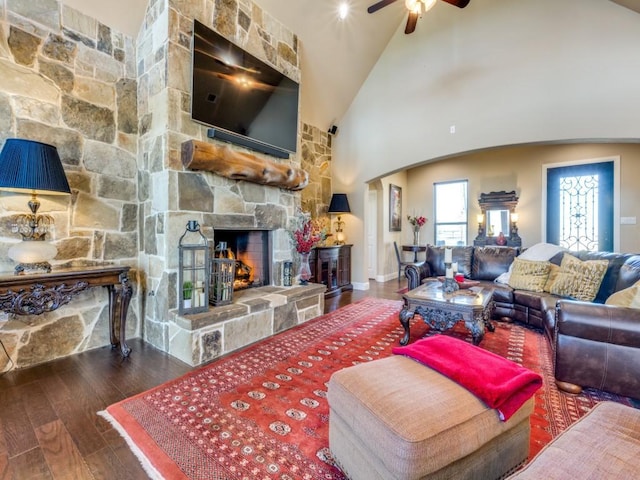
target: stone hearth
<point>255,314</point>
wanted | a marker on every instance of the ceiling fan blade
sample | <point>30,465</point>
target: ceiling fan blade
<point>458,3</point>
<point>381,4</point>
<point>411,22</point>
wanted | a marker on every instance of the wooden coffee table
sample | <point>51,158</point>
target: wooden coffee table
<point>442,311</point>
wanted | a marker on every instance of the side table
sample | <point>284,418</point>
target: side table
<point>415,249</point>
<point>35,294</point>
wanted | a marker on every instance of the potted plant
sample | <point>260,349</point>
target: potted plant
<point>187,293</point>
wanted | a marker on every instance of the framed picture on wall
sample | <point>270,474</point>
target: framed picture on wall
<point>395,208</point>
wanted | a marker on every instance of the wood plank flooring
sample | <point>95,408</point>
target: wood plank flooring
<point>48,423</point>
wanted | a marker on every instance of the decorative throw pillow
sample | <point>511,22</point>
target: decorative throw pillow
<point>529,275</point>
<point>578,279</point>
<point>554,270</point>
<point>629,297</point>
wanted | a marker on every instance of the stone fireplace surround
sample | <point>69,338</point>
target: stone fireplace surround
<point>218,204</point>
<point>254,314</point>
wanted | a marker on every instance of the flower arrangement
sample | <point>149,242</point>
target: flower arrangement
<point>308,233</point>
<point>418,222</point>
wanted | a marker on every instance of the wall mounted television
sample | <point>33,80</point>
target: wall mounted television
<point>246,101</point>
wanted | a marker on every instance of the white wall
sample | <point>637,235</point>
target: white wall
<point>504,72</point>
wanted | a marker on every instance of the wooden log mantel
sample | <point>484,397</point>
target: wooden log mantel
<point>223,161</point>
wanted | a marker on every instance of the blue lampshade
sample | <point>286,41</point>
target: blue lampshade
<point>339,204</point>
<point>32,167</point>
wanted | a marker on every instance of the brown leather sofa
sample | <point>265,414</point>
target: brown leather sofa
<point>594,345</point>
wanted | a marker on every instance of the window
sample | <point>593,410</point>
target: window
<point>580,206</point>
<point>451,213</point>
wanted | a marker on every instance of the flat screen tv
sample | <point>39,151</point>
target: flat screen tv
<point>239,94</point>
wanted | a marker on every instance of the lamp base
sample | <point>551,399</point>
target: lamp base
<point>32,256</point>
<point>26,268</point>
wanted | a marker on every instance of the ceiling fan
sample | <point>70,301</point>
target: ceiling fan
<point>416,8</point>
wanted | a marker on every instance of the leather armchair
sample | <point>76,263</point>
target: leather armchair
<point>597,346</point>
<point>416,273</point>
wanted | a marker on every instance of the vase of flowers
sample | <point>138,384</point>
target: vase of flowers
<point>305,268</point>
<point>417,223</point>
<point>306,235</point>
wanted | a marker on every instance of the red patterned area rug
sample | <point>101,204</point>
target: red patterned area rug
<point>261,413</point>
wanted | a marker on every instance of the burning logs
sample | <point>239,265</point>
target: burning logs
<point>223,161</point>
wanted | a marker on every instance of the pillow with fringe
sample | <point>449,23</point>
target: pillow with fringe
<point>578,279</point>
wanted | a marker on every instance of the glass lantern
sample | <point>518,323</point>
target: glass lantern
<point>223,269</point>
<point>193,270</point>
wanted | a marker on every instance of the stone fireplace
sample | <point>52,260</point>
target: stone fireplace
<point>252,219</point>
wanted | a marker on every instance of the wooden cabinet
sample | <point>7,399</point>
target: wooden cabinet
<point>331,266</point>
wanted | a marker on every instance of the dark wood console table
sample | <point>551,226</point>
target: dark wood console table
<point>35,294</point>
<point>331,266</point>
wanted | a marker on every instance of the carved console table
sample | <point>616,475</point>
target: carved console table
<point>35,294</point>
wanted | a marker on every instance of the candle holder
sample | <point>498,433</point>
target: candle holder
<point>449,285</point>
<point>287,273</point>
<point>222,273</point>
<point>223,270</point>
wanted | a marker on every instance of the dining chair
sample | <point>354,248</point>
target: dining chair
<point>401,263</point>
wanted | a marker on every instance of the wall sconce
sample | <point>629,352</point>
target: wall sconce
<point>35,168</point>
<point>480,219</point>
<point>339,204</point>
<point>514,224</point>
<point>193,270</point>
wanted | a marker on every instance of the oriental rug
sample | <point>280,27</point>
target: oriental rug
<point>261,413</point>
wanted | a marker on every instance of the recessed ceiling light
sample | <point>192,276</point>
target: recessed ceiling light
<point>343,10</point>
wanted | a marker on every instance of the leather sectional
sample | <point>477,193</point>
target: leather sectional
<point>594,345</point>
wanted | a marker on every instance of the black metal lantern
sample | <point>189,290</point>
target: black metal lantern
<point>223,269</point>
<point>193,271</point>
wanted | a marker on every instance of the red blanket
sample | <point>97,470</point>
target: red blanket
<point>498,382</point>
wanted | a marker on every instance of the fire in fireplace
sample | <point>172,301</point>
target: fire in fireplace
<point>251,250</point>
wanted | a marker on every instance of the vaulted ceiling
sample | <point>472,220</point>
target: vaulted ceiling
<point>337,55</point>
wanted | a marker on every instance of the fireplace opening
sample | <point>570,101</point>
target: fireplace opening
<point>251,250</point>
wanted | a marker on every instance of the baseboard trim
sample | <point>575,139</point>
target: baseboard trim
<point>386,277</point>
<point>361,285</point>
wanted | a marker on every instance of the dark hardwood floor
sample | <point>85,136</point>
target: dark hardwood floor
<point>48,423</point>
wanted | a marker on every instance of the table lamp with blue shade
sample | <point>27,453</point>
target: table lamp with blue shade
<point>34,168</point>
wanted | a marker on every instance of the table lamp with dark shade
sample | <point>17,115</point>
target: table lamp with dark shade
<point>339,204</point>
<point>34,168</point>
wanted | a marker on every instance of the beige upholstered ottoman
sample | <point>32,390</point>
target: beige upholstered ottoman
<point>605,443</point>
<point>397,419</point>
